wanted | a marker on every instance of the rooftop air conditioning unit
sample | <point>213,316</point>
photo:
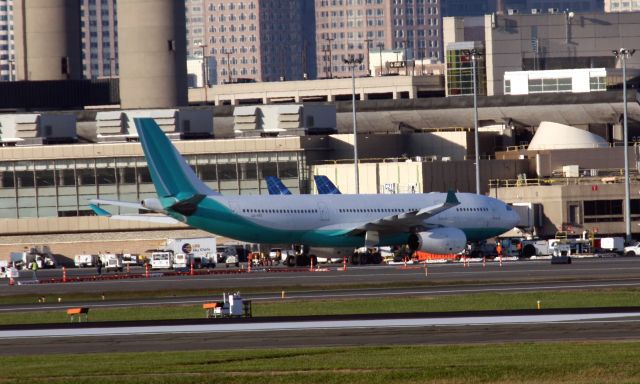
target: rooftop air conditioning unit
<point>536,11</point>
<point>511,11</point>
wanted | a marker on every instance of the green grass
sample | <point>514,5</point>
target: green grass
<point>507,363</point>
<point>483,301</point>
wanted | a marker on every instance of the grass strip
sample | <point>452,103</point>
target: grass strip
<point>586,362</point>
<point>623,297</point>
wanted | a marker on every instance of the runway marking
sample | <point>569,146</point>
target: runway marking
<point>323,294</point>
<point>308,325</point>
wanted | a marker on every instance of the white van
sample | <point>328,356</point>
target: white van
<point>162,260</point>
<point>82,261</point>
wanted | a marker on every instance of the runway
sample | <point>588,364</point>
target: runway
<point>399,329</point>
<point>363,281</point>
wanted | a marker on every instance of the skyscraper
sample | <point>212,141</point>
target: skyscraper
<point>99,38</point>
<point>412,29</point>
<point>251,40</point>
<point>7,45</point>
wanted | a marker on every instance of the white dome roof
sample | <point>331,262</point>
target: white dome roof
<point>559,136</point>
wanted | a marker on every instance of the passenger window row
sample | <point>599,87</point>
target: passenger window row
<point>280,210</point>
<point>377,210</point>
<point>472,209</point>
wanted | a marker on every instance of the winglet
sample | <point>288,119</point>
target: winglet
<point>451,198</point>
<point>99,211</point>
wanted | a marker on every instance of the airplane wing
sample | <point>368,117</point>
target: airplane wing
<point>160,219</point>
<point>404,221</point>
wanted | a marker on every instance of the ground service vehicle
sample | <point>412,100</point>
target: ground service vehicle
<point>202,250</point>
<point>86,260</point>
<point>161,260</point>
<point>42,257</point>
<point>130,259</point>
<point>111,262</point>
<point>612,244</point>
<point>228,255</point>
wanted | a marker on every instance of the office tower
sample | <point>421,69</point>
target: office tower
<point>7,47</point>
<point>254,40</point>
<point>412,30</point>
<point>99,38</point>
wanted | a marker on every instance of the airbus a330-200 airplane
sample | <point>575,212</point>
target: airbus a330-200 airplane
<point>432,222</point>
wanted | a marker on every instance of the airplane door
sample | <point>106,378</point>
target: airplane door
<point>324,211</point>
<point>234,206</point>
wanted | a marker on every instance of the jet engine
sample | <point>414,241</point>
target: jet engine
<point>152,204</point>
<point>438,240</point>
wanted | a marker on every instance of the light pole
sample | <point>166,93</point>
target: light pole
<point>204,71</point>
<point>568,16</point>
<point>228,53</point>
<point>623,54</point>
<point>474,53</point>
<point>380,46</point>
<point>330,39</point>
<point>111,66</point>
<point>11,66</point>
<point>404,47</point>
<point>352,61</point>
<point>324,60</point>
<point>367,42</point>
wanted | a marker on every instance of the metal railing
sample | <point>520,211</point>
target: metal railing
<point>528,182</point>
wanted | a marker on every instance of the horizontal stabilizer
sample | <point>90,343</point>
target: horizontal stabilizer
<point>117,203</point>
<point>159,219</point>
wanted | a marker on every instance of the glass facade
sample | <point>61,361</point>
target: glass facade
<point>58,188</point>
<point>561,84</point>
<point>460,73</point>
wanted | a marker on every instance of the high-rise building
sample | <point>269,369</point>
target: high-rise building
<point>99,38</point>
<point>621,5</point>
<point>466,7</point>
<point>7,45</point>
<point>411,29</point>
<point>195,27</point>
<point>251,40</point>
<point>528,6</point>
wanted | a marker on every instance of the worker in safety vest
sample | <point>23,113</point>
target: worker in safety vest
<point>499,248</point>
<point>34,268</point>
